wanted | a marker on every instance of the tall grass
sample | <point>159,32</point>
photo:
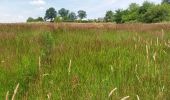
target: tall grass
<point>85,61</point>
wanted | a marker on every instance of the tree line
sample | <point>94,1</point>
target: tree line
<point>148,12</point>
<point>61,15</point>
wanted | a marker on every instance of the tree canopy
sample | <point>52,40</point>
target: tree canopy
<point>109,16</point>
<point>166,1</point>
<point>148,12</point>
<point>50,14</point>
<point>63,13</point>
<point>82,14</point>
<point>72,16</point>
<point>39,19</point>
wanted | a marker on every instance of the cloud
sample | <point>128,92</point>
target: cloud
<point>38,2</point>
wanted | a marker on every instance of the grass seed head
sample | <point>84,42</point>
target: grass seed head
<point>125,98</point>
<point>111,92</point>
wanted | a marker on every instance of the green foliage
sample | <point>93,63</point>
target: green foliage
<point>118,17</point>
<point>131,14</point>
<point>155,14</point>
<point>58,19</point>
<point>48,42</point>
<point>50,14</point>
<point>47,47</point>
<point>39,19</point>
<point>30,19</point>
<point>109,17</point>
<point>82,14</point>
<point>63,13</point>
<point>72,16</point>
<point>148,12</point>
<point>166,1</point>
<point>144,9</point>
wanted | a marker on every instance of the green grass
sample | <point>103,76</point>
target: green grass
<point>101,60</point>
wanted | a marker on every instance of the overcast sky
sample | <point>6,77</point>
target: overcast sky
<point>19,10</point>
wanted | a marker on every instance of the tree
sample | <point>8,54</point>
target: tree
<point>156,14</point>
<point>39,19</point>
<point>30,19</point>
<point>131,14</point>
<point>109,17</point>
<point>118,17</point>
<point>82,14</point>
<point>143,10</point>
<point>64,13</point>
<point>50,14</point>
<point>72,16</point>
<point>133,6</point>
<point>166,1</point>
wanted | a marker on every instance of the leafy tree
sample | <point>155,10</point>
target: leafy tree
<point>109,17</point>
<point>133,6</point>
<point>30,19</point>
<point>156,14</point>
<point>118,17</point>
<point>131,14</point>
<point>166,1</point>
<point>50,14</point>
<point>145,6</point>
<point>39,19</point>
<point>143,10</point>
<point>72,16</point>
<point>64,13</point>
<point>82,14</point>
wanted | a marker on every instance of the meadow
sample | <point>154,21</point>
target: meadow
<point>84,61</point>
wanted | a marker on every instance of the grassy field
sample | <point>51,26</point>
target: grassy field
<point>85,61</point>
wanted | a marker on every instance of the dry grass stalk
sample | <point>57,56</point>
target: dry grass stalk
<point>7,95</point>
<point>111,67</point>
<point>137,97</point>
<point>157,41</point>
<point>163,88</point>
<point>151,42</point>
<point>111,92</point>
<point>69,67</point>
<point>163,34</point>
<point>15,91</point>
<point>167,44</point>
<point>154,56</point>
<point>135,46</point>
<point>125,98</point>
<point>147,52</point>
<point>39,63</point>
<point>137,73</point>
<point>49,96</point>
<point>45,75</point>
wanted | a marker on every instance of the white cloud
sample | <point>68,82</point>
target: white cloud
<point>38,2</point>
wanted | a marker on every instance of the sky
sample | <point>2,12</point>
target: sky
<point>12,11</point>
